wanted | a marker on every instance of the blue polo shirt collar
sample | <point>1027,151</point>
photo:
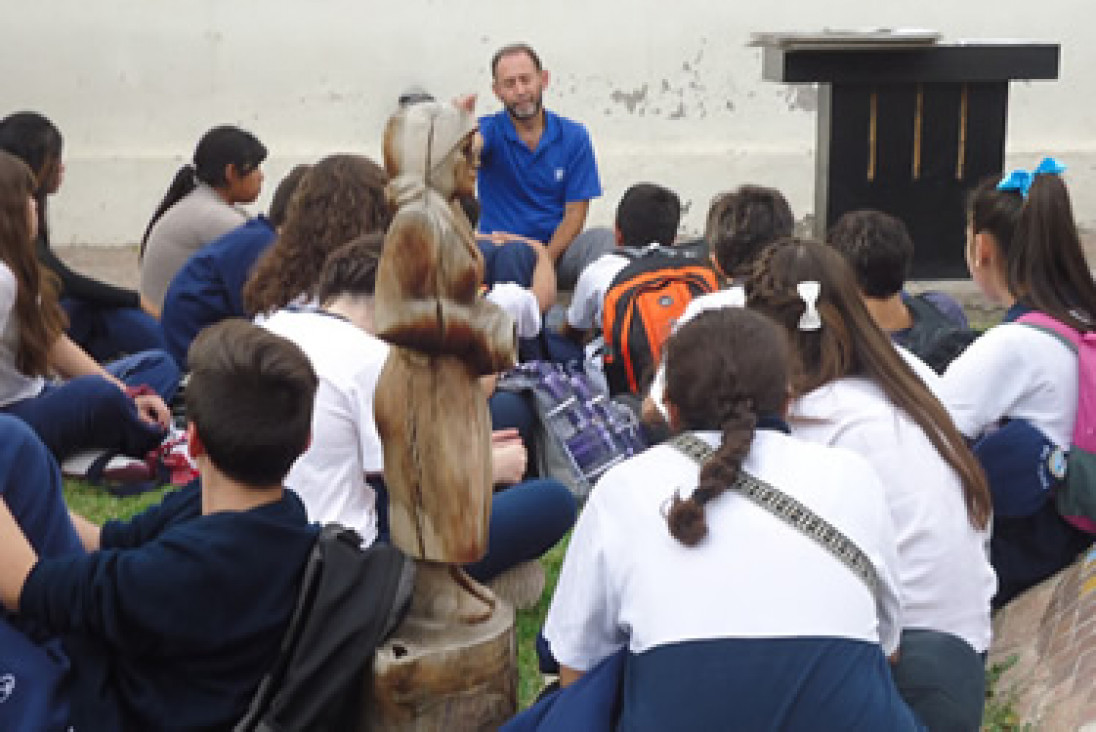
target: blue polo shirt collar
<point>553,130</point>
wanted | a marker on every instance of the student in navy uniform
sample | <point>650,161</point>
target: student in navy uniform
<point>1024,252</point>
<point>105,320</point>
<point>732,618</point>
<point>171,619</point>
<point>879,250</point>
<point>537,173</point>
<point>209,287</point>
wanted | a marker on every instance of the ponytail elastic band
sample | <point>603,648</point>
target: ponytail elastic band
<point>808,293</point>
<point>1020,180</point>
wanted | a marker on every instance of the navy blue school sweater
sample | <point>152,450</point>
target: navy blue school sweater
<point>172,625</point>
<point>209,287</point>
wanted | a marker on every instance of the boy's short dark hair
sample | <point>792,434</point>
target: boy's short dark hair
<point>648,213</point>
<point>250,398</point>
<point>877,247</point>
<point>285,190</point>
<point>352,268</point>
<point>741,223</point>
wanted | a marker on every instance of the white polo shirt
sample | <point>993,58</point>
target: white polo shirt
<point>330,475</point>
<point>584,312</point>
<point>1015,371</point>
<point>14,384</point>
<point>626,582</point>
<point>946,578</point>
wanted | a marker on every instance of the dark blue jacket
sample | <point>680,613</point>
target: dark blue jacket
<point>172,625</point>
<point>209,287</point>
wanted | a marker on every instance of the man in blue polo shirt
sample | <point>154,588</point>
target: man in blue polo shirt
<point>537,173</point>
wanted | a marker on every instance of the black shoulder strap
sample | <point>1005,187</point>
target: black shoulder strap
<point>350,600</point>
<point>790,511</point>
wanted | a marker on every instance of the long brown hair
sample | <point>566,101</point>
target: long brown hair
<point>1045,264</point>
<point>36,141</point>
<point>849,343</point>
<point>37,310</point>
<point>339,199</point>
<point>724,369</point>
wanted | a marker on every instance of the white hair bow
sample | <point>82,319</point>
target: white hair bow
<point>808,292</point>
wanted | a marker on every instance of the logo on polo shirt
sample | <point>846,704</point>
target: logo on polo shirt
<point>7,686</point>
<point>559,174</point>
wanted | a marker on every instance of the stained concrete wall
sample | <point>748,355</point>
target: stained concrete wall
<point>669,91</point>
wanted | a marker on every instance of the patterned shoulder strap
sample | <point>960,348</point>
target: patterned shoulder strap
<point>791,511</point>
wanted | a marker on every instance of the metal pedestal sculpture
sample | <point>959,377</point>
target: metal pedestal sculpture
<point>451,664</point>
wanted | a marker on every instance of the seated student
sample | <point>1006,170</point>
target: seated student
<point>200,206</point>
<point>852,389</point>
<point>338,199</point>
<point>527,518</point>
<point>878,248</point>
<point>732,618</point>
<point>94,406</point>
<point>740,224</point>
<point>172,618</point>
<point>1023,251</point>
<point>647,214</point>
<point>209,287</point>
<point>105,320</point>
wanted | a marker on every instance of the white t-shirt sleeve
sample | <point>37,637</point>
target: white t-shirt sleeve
<point>987,381</point>
<point>585,308</point>
<point>581,627</point>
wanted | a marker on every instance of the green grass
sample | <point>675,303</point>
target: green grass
<point>1000,713</point>
<point>97,505</point>
<point>529,623</point>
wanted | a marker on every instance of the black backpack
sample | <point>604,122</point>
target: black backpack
<point>640,308</point>
<point>934,338</point>
<point>351,599</point>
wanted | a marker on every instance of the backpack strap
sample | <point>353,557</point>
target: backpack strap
<point>790,511</point>
<point>1056,328</point>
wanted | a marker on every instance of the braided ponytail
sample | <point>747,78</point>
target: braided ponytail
<point>724,369</point>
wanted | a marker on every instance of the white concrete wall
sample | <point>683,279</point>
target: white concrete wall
<point>668,90</point>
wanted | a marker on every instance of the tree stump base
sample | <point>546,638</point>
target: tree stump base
<point>430,676</point>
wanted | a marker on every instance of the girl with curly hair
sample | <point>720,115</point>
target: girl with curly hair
<point>339,199</point>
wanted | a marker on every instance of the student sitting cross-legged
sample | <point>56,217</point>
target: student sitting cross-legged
<point>729,616</point>
<point>169,620</point>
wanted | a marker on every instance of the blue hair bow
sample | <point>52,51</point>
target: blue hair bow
<point>1021,180</point>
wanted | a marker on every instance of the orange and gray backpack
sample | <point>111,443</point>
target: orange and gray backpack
<point>1076,496</point>
<point>641,306</point>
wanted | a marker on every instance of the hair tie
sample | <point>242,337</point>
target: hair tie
<point>1020,180</point>
<point>808,293</point>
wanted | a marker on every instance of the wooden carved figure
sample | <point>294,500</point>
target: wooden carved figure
<point>430,410</point>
